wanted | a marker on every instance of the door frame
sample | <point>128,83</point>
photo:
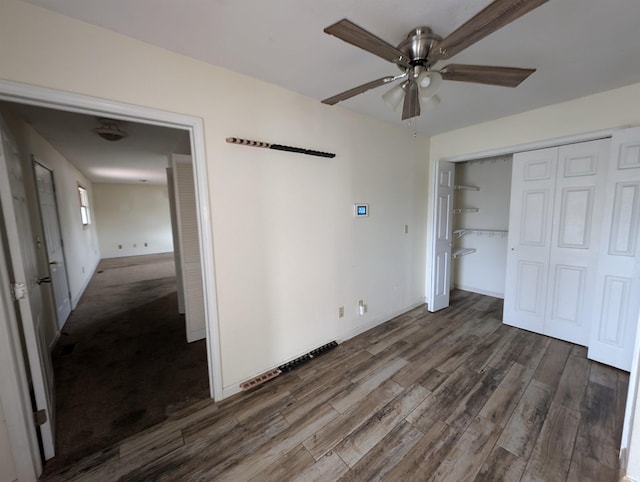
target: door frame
<point>50,98</point>
<point>500,151</point>
<point>434,233</point>
<point>15,400</point>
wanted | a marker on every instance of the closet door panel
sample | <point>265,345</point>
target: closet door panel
<point>443,237</point>
<point>532,192</point>
<point>573,257</point>
<point>617,299</point>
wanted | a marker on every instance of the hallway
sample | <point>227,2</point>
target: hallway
<point>122,363</point>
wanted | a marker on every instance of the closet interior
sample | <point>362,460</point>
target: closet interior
<point>480,225</point>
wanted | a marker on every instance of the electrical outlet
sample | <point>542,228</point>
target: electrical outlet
<point>119,246</point>
<point>146,245</point>
<point>406,229</point>
<point>362,308</point>
<point>340,311</point>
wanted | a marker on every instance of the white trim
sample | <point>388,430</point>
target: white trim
<point>235,389</point>
<point>493,294</point>
<point>76,299</point>
<point>14,395</point>
<point>40,96</point>
<point>430,270</point>
<point>378,321</point>
<point>532,146</point>
<point>499,151</point>
<point>630,409</point>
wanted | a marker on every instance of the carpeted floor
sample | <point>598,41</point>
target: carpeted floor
<point>122,363</point>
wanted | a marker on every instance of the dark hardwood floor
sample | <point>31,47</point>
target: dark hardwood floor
<point>454,395</point>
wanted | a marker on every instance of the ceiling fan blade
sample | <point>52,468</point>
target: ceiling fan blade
<point>411,107</point>
<point>493,17</point>
<point>347,94</point>
<point>484,74</point>
<point>356,35</point>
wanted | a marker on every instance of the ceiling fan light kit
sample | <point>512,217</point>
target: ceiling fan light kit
<point>394,96</point>
<point>416,55</point>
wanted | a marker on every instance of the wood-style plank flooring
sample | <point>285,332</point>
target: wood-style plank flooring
<point>448,396</point>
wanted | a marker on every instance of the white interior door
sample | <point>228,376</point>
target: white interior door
<point>442,236</point>
<point>530,223</point>
<point>577,215</point>
<point>176,239</point>
<point>617,298</point>
<point>187,217</point>
<point>53,241</point>
<point>24,271</point>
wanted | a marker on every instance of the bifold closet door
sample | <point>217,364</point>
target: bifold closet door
<point>529,245</point>
<point>443,237</point>
<point>575,239</point>
<point>617,299</point>
<point>554,229</point>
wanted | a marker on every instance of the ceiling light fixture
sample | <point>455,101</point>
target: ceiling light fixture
<point>429,82</point>
<point>110,129</point>
<point>394,96</point>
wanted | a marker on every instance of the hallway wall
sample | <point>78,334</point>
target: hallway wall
<point>132,219</point>
<point>80,242</point>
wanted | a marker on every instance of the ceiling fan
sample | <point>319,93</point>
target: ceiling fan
<point>422,49</point>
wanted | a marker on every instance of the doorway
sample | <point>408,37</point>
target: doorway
<point>471,221</point>
<point>70,102</point>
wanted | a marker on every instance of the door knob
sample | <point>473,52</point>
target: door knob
<point>53,263</point>
<point>46,279</point>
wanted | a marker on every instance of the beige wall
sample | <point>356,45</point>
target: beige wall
<point>606,110</point>
<point>287,249</point>
<point>130,215</point>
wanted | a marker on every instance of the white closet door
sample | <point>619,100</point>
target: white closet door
<point>530,223</point>
<point>189,247</point>
<point>577,215</point>
<point>617,300</point>
<point>442,239</point>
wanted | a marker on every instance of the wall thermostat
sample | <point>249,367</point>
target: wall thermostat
<point>360,210</point>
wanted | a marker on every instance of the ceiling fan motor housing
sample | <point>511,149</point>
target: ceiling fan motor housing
<point>417,46</point>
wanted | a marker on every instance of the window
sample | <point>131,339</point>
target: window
<point>84,206</point>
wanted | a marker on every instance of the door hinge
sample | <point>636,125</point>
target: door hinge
<point>40,417</point>
<point>19,290</point>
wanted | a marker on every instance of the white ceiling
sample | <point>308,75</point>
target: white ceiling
<point>141,157</point>
<point>579,47</point>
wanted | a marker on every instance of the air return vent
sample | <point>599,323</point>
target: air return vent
<point>305,358</point>
<point>260,379</point>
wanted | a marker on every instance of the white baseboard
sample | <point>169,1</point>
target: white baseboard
<point>480,291</point>
<point>377,321</point>
<point>234,389</point>
<point>76,299</point>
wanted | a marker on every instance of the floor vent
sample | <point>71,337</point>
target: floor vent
<point>260,379</point>
<point>287,367</point>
